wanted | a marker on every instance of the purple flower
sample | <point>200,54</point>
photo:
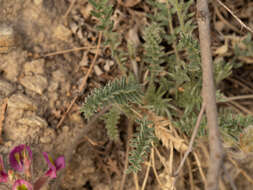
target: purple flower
<point>21,184</point>
<point>54,165</point>
<point>3,174</point>
<point>21,158</point>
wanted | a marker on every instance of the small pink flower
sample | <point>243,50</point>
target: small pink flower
<point>3,174</point>
<point>21,184</point>
<point>54,165</point>
<point>20,158</point>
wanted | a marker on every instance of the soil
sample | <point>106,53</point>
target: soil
<point>38,88</point>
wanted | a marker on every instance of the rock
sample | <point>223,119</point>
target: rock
<point>6,88</point>
<point>36,83</point>
<point>33,121</point>
<point>7,38</point>
<point>38,2</point>
<point>97,70</point>
<point>62,33</point>
<point>53,86</point>
<point>36,67</point>
<point>85,60</point>
<point>59,75</point>
<point>20,101</point>
<point>48,136</point>
<point>108,65</point>
<point>10,64</point>
<point>86,10</point>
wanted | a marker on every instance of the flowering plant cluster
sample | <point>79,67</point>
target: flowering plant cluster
<point>20,176</point>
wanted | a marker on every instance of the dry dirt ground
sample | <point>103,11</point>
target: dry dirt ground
<point>37,89</point>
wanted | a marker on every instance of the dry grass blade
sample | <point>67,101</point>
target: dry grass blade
<point>190,174</point>
<point>154,168</point>
<point>243,172</point>
<point>168,135</point>
<point>146,175</point>
<point>203,177</point>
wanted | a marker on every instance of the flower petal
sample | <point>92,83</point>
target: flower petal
<point>16,157</point>
<point>59,163</point>
<point>54,165</point>
<point>21,184</point>
<point>52,169</point>
<point>3,174</point>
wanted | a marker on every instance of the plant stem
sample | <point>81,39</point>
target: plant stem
<point>209,97</point>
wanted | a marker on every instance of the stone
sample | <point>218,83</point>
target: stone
<point>7,38</point>
<point>59,75</point>
<point>6,88</point>
<point>10,64</point>
<point>20,101</point>
<point>48,136</point>
<point>62,33</point>
<point>97,70</point>
<point>35,66</point>
<point>36,83</point>
<point>108,65</point>
<point>38,2</point>
<point>33,121</point>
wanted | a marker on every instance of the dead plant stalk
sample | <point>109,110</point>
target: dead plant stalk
<point>209,97</point>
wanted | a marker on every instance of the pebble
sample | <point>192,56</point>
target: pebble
<point>6,88</point>
<point>108,65</point>
<point>36,83</point>
<point>36,66</point>
<point>97,70</point>
<point>33,121</point>
<point>48,136</point>
<point>85,60</point>
<point>10,64</point>
<point>38,2</point>
<point>63,33</point>
<point>20,101</point>
<point>7,38</point>
<point>59,75</point>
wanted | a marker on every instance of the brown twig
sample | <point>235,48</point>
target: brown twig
<point>65,51</point>
<point>238,20</point>
<point>224,20</point>
<point>243,172</point>
<point>69,9</point>
<point>2,116</point>
<point>84,82</point>
<point>209,96</point>
<point>241,97</point>
<point>194,134</point>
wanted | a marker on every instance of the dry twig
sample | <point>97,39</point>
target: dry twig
<point>2,116</point>
<point>69,9</point>
<point>236,17</point>
<point>65,51</point>
<point>84,82</point>
<point>194,134</point>
<point>209,96</point>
